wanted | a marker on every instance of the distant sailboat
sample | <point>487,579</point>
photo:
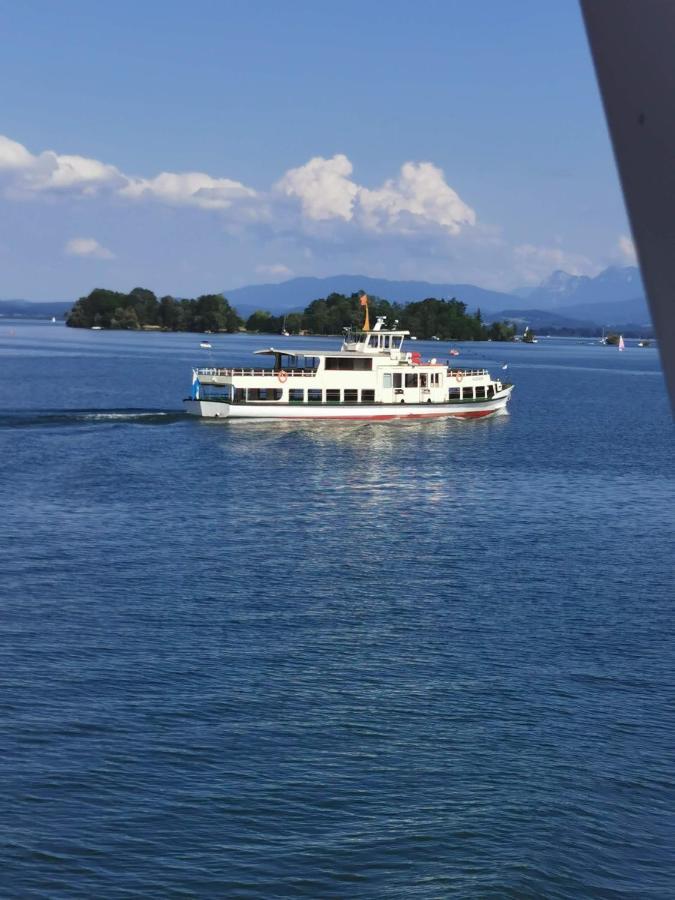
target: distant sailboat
<point>284,332</point>
<point>54,320</point>
<point>622,346</point>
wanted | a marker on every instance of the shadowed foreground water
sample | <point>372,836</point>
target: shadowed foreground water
<point>411,660</point>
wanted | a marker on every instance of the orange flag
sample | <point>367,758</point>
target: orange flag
<point>363,300</point>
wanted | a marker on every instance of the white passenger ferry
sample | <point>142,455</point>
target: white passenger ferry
<point>370,377</point>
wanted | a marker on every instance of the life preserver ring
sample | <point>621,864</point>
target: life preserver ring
<point>282,376</point>
<point>459,376</point>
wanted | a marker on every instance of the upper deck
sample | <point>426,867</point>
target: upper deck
<point>380,341</point>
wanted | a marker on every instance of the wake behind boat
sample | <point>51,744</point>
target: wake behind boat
<point>370,377</point>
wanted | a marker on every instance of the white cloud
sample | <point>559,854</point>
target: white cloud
<point>419,196</point>
<point>323,187</point>
<point>88,247</point>
<point>13,155</point>
<point>71,174</point>
<point>276,270</point>
<point>51,171</point>
<point>188,189</point>
<point>627,250</point>
<point>315,217</point>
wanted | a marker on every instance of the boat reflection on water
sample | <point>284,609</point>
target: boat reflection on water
<point>394,464</point>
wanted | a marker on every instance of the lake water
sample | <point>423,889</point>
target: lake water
<point>418,660</point>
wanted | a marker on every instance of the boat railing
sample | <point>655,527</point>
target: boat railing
<point>229,373</point>
<point>465,372</point>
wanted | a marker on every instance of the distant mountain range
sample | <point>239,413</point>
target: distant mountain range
<point>29,310</point>
<point>294,295</point>
<point>613,298</point>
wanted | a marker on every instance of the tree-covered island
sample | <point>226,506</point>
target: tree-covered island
<point>140,308</point>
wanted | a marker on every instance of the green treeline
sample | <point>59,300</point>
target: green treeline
<point>140,308</point>
<point>445,319</point>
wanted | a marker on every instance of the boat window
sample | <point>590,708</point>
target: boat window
<point>351,395</point>
<point>490,390</point>
<point>436,378</point>
<point>315,395</point>
<point>368,396</point>
<point>332,395</point>
<point>480,393</point>
<point>397,380</point>
<point>453,393</point>
<point>296,395</point>
<point>411,379</point>
<point>386,380</point>
<point>255,394</point>
<point>385,341</point>
<point>239,395</point>
<point>334,363</point>
<point>396,342</point>
<point>423,379</point>
<point>467,393</point>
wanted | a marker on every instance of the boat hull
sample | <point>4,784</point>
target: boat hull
<point>218,409</point>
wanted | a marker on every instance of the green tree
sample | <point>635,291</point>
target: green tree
<point>171,314</point>
<point>146,306</point>
<point>125,318</point>
<point>294,323</point>
<point>265,322</point>
<point>501,331</point>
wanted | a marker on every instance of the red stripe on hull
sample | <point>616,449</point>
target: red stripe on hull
<point>475,415</point>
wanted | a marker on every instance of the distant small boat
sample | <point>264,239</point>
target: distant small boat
<point>644,343</point>
<point>284,331</point>
<point>54,319</point>
<point>435,337</point>
<point>454,352</point>
<point>205,345</point>
<point>622,346</point>
<point>96,328</point>
<point>412,337</point>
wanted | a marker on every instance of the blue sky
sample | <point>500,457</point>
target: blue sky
<point>454,141</point>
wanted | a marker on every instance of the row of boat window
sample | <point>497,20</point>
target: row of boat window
<point>412,379</point>
<point>298,395</point>
<point>385,341</point>
<point>347,395</point>
<point>467,393</point>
